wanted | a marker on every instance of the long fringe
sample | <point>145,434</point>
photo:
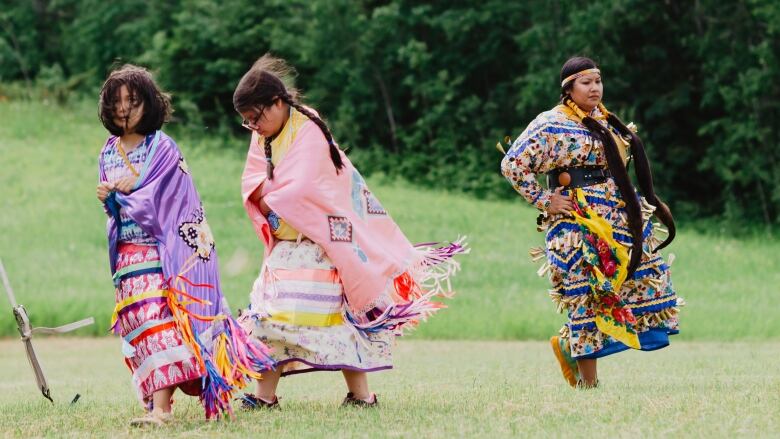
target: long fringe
<point>216,392</point>
<point>400,317</point>
<point>229,358</point>
<point>438,265</point>
<point>429,277</point>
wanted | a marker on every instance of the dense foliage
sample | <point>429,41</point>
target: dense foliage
<point>424,89</point>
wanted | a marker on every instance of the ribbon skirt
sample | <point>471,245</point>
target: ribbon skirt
<point>153,348</point>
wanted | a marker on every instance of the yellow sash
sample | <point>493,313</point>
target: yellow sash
<point>601,284</point>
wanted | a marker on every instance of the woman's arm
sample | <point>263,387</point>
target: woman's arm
<point>521,165</point>
<point>257,198</point>
<point>104,187</point>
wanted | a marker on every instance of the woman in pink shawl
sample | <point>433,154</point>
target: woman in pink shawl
<point>339,279</point>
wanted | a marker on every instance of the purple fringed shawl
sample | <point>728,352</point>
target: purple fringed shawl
<point>166,205</point>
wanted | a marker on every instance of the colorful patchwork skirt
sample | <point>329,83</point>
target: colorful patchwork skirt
<point>649,293</point>
<point>297,309</point>
<point>151,343</point>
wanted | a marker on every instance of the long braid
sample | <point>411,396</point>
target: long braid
<point>618,170</point>
<point>262,86</point>
<point>335,155</point>
<point>268,154</point>
<point>645,179</point>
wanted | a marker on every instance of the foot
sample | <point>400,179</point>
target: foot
<point>350,400</point>
<point>155,418</point>
<point>148,405</point>
<point>583,385</point>
<point>571,372</point>
<point>251,402</point>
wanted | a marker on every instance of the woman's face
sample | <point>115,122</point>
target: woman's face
<point>128,110</point>
<point>587,91</point>
<point>266,121</point>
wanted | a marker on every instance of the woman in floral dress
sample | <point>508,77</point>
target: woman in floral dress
<point>601,247</point>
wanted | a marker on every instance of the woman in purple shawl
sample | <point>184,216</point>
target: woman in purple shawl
<point>176,327</point>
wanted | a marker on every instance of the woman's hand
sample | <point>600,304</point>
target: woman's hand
<point>124,185</point>
<point>560,204</point>
<point>103,189</point>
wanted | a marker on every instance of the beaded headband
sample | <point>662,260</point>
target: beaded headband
<point>578,74</point>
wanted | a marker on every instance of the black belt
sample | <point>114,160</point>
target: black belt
<point>577,177</point>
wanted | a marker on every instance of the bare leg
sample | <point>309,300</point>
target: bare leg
<point>357,383</point>
<point>161,412</point>
<point>588,372</point>
<point>266,388</point>
<point>162,399</point>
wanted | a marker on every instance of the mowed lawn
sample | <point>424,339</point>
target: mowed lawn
<point>54,247</point>
<point>438,389</point>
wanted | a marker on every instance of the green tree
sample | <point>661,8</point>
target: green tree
<point>423,90</point>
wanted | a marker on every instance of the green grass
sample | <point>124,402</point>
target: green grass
<point>52,241</point>
<point>437,389</point>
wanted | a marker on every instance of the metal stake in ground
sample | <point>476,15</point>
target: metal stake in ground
<point>26,331</point>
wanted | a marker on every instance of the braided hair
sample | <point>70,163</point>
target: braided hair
<point>335,156</point>
<point>262,86</point>
<point>618,168</point>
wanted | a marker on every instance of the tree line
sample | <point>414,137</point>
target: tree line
<point>424,89</point>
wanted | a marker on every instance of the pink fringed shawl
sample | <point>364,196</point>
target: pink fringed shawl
<point>375,261</point>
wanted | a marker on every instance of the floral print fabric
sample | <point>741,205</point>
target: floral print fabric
<point>297,306</point>
<point>556,140</point>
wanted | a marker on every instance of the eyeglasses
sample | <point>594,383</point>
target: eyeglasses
<point>252,125</point>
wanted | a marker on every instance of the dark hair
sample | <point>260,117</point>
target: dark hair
<point>140,85</point>
<point>574,65</point>
<point>618,169</point>
<point>262,85</point>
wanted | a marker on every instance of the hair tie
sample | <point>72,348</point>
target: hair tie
<point>578,74</point>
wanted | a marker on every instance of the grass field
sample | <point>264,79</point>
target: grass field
<point>438,389</point>
<point>52,241</point>
<point>718,379</point>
